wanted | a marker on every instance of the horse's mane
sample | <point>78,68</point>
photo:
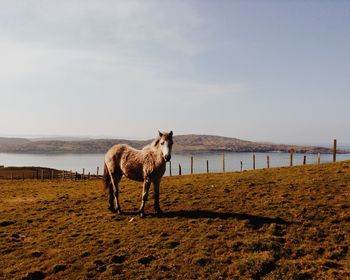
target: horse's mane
<point>153,144</point>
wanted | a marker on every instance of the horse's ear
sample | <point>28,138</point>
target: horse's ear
<point>160,134</point>
<point>171,133</point>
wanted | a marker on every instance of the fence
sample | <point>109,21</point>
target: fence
<point>253,161</point>
<point>42,173</point>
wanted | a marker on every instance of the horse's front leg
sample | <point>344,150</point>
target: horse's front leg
<point>146,185</point>
<point>156,185</point>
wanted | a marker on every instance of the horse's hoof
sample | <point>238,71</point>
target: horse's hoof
<point>142,215</point>
<point>158,211</point>
<point>119,212</point>
<point>111,209</point>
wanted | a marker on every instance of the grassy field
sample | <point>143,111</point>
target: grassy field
<point>281,223</point>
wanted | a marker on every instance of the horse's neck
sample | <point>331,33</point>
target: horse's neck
<point>159,155</point>
<point>157,152</point>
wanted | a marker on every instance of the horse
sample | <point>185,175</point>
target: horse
<point>146,165</point>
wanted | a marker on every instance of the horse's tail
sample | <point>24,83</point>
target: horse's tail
<point>106,177</point>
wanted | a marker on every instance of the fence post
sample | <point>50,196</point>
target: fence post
<point>304,162</point>
<point>76,176</point>
<point>42,174</point>
<point>334,150</point>
<point>37,174</point>
<point>254,162</point>
<point>11,175</point>
<point>97,170</point>
<point>52,173</point>
<point>268,161</point>
<point>291,156</point>
<point>62,175</point>
<point>241,166</point>
<point>83,175</point>
<point>170,168</point>
<point>207,166</point>
<point>223,162</point>
<point>179,169</point>
<point>89,175</point>
<point>318,158</point>
<point>191,165</point>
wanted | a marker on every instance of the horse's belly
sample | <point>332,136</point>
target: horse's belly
<point>133,173</point>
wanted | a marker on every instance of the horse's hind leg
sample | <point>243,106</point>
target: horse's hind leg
<point>115,182</point>
<point>111,198</point>
<point>116,176</point>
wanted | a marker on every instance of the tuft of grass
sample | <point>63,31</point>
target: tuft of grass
<point>256,265</point>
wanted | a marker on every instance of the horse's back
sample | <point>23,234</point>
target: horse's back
<point>128,159</point>
<point>113,155</point>
<point>115,151</point>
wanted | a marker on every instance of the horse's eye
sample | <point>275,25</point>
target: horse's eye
<point>162,143</point>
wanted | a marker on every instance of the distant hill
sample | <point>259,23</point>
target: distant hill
<point>182,144</point>
<point>9,144</point>
<point>13,141</point>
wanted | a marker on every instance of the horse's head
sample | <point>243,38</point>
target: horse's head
<point>165,141</point>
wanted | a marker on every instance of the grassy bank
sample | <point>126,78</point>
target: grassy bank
<point>281,223</point>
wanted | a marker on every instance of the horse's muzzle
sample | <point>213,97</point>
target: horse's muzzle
<point>167,157</point>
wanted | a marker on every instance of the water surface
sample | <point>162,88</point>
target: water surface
<point>90,162</point>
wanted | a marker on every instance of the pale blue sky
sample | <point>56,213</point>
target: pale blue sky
<point>259,70</point>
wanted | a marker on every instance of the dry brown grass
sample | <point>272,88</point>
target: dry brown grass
<point>281,223</point>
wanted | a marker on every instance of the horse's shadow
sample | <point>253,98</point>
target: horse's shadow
<point>254,221</point>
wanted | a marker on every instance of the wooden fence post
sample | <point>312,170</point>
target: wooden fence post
<point>83,175</point>
<point>334,150</point>
<point>179,169</point>
<point>318,158</point>
<point>268,161</point>
<point>89,175</point>
<point>207,166</point>
<point>62,175</point>
<point>76,175</point>
<point>254,162</point>
<point>37,174</point>
<point>304,161</point>
<point>241,166</point>
<point>191,165</point>
<point>170,168</point>
<point>97,170</point>
<point>291,156</point>
<point>52,174</point>
<point>11,175</point>
<point>42,174</point>
<point>223,162</point>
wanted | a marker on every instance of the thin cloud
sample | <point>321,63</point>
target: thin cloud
<point>201,89</point>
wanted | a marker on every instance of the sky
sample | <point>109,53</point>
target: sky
<point>276,71</point>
